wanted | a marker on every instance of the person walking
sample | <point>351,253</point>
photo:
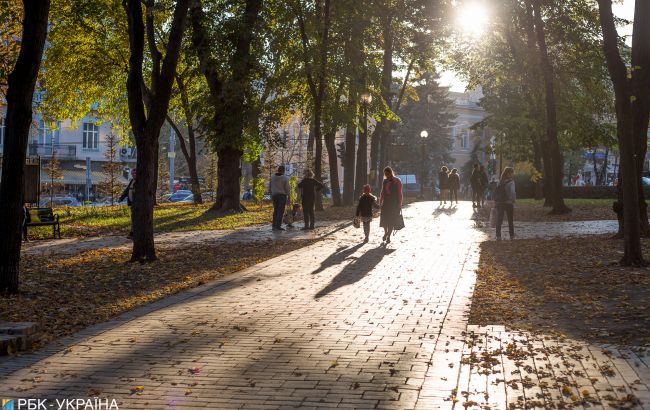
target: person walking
<point>367,202</point>
<point>505,197</point>
<point>279,187</point>
<point>484,183</point>
<point>454,186</point>
<point>475,182</point>
<point>308,187</point>
<point>390,200</point>
<point>129,195</point>
<point>443,184</point>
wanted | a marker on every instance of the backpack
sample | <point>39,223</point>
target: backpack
<point>500,193</point>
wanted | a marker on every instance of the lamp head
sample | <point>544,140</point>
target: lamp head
<point>366,98</point>
<point>424,134</point>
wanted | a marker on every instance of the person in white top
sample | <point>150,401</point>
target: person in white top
<point>279,188</point>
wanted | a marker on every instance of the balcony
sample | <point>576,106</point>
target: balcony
<point>62,151</point>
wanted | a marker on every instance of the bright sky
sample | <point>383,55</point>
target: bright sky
<point>624,9</point>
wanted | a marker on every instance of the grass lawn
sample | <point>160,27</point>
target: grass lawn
<point>116,220</point>
<point>568,286</point>
<point>67,293</point>
<point>572,202</point>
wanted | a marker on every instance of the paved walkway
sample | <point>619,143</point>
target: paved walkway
<point>336,324</point>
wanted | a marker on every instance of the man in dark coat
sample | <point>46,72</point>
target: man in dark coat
<point>308,187</point>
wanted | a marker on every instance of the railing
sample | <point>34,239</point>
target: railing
<point>62,151</point>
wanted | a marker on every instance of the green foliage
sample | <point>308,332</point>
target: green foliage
<point>427,108</point>
<point>505,64</point>
<point>293,185</point>
<point>259,189</point>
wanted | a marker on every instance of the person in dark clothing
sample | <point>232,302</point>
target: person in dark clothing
<point>505,196</point>
<point>308,187</point>
<point>129,195</point>
<point>454,186</point>
<point>367,202</point>
<point>443,184</point>
<point>390,200</point>
<point>475,182</point>
<point>484,183</point>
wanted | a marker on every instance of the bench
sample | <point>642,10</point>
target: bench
<point>44,217</point>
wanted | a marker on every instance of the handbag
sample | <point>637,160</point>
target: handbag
<point>356,221</point>
<point>399,222</point>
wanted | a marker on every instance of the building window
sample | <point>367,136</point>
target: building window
<point>48,136</point>
<point>90,136</point>
<point>464,139</point>
<point>2,130</point>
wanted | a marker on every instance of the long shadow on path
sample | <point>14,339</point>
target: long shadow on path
<point>356,270</point>
<point>341,254</point>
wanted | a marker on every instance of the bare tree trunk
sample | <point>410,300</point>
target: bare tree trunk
<point>625,112</point>
<point>228,97</point>
<point>330,145</point>
<point>146,124</point>
<point>555,155</point>
<point>318,156</point>
<point>21,84</point>
<point>349,159</point>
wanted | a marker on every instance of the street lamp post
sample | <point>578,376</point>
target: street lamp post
<point>423,136</point>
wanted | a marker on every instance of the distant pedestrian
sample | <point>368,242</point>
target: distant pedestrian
<point>248,195</point>
<point>454,186</point>
<point>129,195</point>
<point>279,187</point>
<point>443,184</point>
<point>308,187</point>
<point>390,200</point>
<point>367,202</point>
<point>505,197</point>
<point>475,182</point>
<point>484,183</point>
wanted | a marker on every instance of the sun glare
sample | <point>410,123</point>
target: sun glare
<point>471,17</point>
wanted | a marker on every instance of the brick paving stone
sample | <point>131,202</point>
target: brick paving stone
<point>335,325</point>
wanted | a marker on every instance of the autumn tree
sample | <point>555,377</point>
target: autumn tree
<point>20,91</point>
<point>148,106</point>
<point>631,81</point>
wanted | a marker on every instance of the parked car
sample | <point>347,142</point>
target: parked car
<point>189,199</point>
<point>179,195</point>
<point>59,201</point>
<point>645,181</point>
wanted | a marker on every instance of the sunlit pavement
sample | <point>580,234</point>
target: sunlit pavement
<point>337,324</point>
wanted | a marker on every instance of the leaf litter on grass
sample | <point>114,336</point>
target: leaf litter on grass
<point>68,293</point>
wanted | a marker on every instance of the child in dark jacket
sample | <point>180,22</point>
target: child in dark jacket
<point>367,202</point>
